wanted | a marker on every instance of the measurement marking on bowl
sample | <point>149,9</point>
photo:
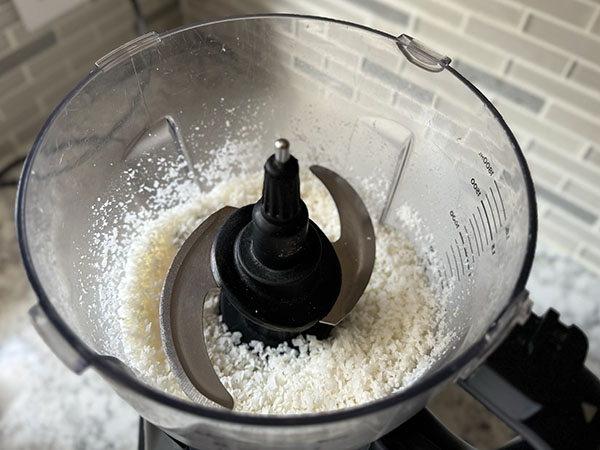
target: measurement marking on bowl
<point>488,221</point>
<point>456,262</point>
<point>462,263</point>
<point>466,253</point>
<point>475,236</point>
<point>464,247</point>
<point>469,239</point>
<point>467,262</point>
<point>462,260</point>
<point>478,233</point>
<point>501,201</point>
<point>449,265</point>
<point>483,225</point>
<point>496,204</point>
<point>492,213</point>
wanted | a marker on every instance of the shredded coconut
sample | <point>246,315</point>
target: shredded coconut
<point>390,337</point>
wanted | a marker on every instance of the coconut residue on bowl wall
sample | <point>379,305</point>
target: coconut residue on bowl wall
<point>388,339</point>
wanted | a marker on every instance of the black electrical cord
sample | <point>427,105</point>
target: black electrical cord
<point>4,180</point>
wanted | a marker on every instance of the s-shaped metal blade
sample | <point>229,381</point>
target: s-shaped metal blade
<point>190,277</point>
<point>355,248</point>
<point>181,312</point>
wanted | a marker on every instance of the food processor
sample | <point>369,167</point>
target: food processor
<point>407,140</point>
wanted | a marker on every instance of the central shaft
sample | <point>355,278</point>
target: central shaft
<point>278,272</point>
<point>279,226</point>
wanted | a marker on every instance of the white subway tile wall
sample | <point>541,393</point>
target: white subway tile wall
<point>514,44</point>
<point>38,68</point>
<point>539,62</point>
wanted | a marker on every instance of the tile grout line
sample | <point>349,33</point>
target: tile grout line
<point>463,22</point>
<point>507,66</point>
<point>570,73</point>
<point>548,102</point>
<point>554,78</point>
<point>521,34</point>
<point>563,182</point>
<point>561,215</point>
<point>579,248</point>
<point>592,21</point>
<point>12,41</point>
<point>524,20</point>
<point>568,68</point>
<point>27,72</point>
<point>572,109</point>
<point>583,154</point>
<point>586,146</point>
<point>563,23</point>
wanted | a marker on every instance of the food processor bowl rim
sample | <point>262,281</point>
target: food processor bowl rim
<point>126,380</point>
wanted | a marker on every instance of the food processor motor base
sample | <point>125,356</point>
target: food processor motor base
<point>153,438</point>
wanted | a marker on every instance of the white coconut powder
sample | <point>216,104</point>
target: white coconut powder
<point>387,340</point>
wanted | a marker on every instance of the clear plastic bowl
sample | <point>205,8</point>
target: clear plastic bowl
<point>393,118</point>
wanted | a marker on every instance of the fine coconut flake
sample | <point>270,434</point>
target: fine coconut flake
<point>388,340</point>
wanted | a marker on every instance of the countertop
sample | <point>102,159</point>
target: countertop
<point>44,405</point>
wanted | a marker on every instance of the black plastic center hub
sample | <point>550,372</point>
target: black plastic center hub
<point>279,274</point>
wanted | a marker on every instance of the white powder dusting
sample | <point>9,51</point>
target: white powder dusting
<point>391,336</point>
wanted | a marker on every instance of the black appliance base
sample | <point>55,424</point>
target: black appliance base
<point>153,438</point>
